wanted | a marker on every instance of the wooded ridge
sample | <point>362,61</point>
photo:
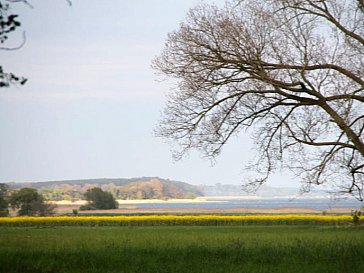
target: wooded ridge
<point>121,188</point>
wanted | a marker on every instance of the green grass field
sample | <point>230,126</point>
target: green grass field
<point>235,249</point>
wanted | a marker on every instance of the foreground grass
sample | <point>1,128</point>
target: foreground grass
<point>182,249</point>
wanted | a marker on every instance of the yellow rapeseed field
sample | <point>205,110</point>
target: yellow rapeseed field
<point>171,220</point>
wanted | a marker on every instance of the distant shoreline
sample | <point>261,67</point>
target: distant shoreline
<point>138,201</point>
<point>205,199</point>
<point>131,207</point>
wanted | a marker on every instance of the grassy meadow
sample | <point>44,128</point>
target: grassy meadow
<point>187,249</point>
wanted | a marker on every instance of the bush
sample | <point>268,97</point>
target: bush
<point>99,199</point>
<point>356,216</point>
<point>87,207</point>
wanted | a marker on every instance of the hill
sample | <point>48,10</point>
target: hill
<point>121,188</point>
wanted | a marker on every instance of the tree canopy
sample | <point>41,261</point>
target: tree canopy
<point>99,199</point>
<point>289,71</point>
<point>30,203</point>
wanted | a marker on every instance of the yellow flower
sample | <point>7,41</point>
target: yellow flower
<point>174,220</point>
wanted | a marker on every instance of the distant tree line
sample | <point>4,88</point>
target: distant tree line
<point>29,202</point>
<point>145,189</point>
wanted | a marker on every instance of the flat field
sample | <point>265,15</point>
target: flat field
<point>265,249</point>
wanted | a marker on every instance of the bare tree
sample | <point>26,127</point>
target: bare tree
<point>9,23</point>
<point>290,71</point>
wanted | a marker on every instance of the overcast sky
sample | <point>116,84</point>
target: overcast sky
<point>92,99</point>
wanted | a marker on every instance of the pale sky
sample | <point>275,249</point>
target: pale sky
<point>92,99</point>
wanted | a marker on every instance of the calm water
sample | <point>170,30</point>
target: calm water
<point>318,204</point>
